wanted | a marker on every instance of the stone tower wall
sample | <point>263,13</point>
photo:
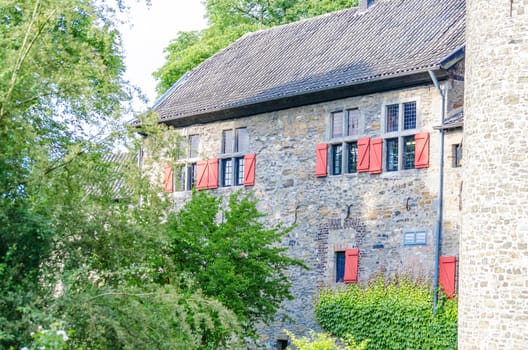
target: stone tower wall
<point>493,304</point>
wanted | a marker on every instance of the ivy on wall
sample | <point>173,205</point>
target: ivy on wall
<point>393,315</point>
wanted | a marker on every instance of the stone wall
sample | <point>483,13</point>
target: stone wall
<point>368,211</point>
<point>493,304</point>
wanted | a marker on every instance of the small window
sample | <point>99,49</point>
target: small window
<point>409,115</point>
<point>239,168</point>
<point>415,237</point>
<point>242,140</point>
<point>282,344</point>
<point>409,145</point>
<point>337,124</point>
<point>187,177</point>
<point>194,144</point>
<point>227,141</point>
<point>227,172</point>
<point>340,266</point>
<point>392,154</point>
<point>457,155</point>
<point>235,143</point>
<point>352,157</point>
<point>353,122</point>
<point>337,159</point>
<point>392,114</point>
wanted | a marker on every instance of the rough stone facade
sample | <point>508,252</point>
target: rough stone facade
<point>493,304</point>
<point>332,213</point>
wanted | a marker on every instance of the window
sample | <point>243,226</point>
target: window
<point>400,130</point>
<point>340,266</point>
<point>187,178</point>
<point>235,143</point>
<point>194,144</point>
<point>457,155</point>
<point>343,144</point>
<point>414,237</point>
<point>282,344</point>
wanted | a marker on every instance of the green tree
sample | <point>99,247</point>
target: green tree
<point>229,20</point>
<point>236,259</point>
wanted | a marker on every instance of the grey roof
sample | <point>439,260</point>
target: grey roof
<point>454,120</point>
<point>393,38</point>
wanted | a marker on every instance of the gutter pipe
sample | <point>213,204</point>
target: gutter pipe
<point>439,217</point>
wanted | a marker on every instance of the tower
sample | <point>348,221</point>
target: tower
<point>493,304</point>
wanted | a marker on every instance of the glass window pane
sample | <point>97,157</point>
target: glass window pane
<point>409,115</point>
<point>352,157</point>
<point>337,124</point>
<point>242,140</point>
<point>392,154</point>
<point>391,117</point>
<point>194,144</point>
<point>192,176</point>
<point>227,172</point>
<point>353,122</point>
<point>337,159</point>
<point>408,152</point>
<point>340,266</point>
<point>227,141</point>
<point>239,171</point>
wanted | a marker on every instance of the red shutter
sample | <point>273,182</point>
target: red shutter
<point>168,178</point>
<point>212,173</point>
<point>321,159</point>
<point>421,156</point>
<point>376,147</point>
<point>448,275</point>
<point>351,265</point>
<point>363,155</point>
<point>249,169</point>
<point>202,175</point>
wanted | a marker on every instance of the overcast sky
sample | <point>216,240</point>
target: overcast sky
<point>150,31</point>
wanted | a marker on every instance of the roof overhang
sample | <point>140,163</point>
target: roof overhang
<point>373,85</point>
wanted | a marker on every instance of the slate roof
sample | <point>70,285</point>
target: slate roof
<point>454,120</point>
<point>392,38</point>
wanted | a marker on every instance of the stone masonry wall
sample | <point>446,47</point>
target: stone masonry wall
<point>351,210</point>
<point>493,304</point>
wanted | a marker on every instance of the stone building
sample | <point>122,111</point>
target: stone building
<point>337,124</point>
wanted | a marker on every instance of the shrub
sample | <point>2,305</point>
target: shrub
<point>323,341</point>
<point>392,315</point>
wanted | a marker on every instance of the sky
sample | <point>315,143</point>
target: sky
<point>150,30</point>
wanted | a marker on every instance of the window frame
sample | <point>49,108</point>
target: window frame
<point>188,161</point>
<point>236,157</point>
<point>344,141</point>
<point>401,134</point>
<point>456,152</point>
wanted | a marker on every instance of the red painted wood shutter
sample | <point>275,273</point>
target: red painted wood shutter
<point>168,178</point>
<point>447,275</point>
<point>212,173</point>
<point>376,147</point>
<point>249,169</point>
<point>351,265</point>
<point>363,155</point>
<point>202,174</point>
<point>321,160</point>
<point>421,155</point>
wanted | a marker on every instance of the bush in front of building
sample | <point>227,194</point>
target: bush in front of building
<point>395,314</point>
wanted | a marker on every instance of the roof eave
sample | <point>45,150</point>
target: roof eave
<point>373,85</point>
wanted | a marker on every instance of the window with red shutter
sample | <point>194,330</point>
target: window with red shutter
<point>321,160</point>
<point>202,174</point>
<point>376,147</point>
<point>351,265</point>
<point>168,178</point>
<point>212,173</point>
<point>447,275</point>
<point>363,155</point>
<point>249,169</point>
<point>421,158</point>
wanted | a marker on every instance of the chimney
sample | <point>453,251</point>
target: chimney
<point>365,4</point>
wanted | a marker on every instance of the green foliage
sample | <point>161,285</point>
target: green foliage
<point>229,20</point>
<point>323,341</point>
<point>392,315</point>
<point>236,260</point>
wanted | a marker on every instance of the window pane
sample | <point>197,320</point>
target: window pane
<point>391,117</point>
<point>239,171</point>
<point>340,266</point>
<point>227,172</point>
<point>392,154</point>
<point>409,115</point>
<point>353,122</point>
<point>337,124</point>
<point>194,144</point>
<point>457,155</point>
<point>242,140</point>
<point>352,157</point>
<point>337,159</point>
<point>192,176</point>
<point>180,183</point>
<point>408,152</point>
<point>227,141</point>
